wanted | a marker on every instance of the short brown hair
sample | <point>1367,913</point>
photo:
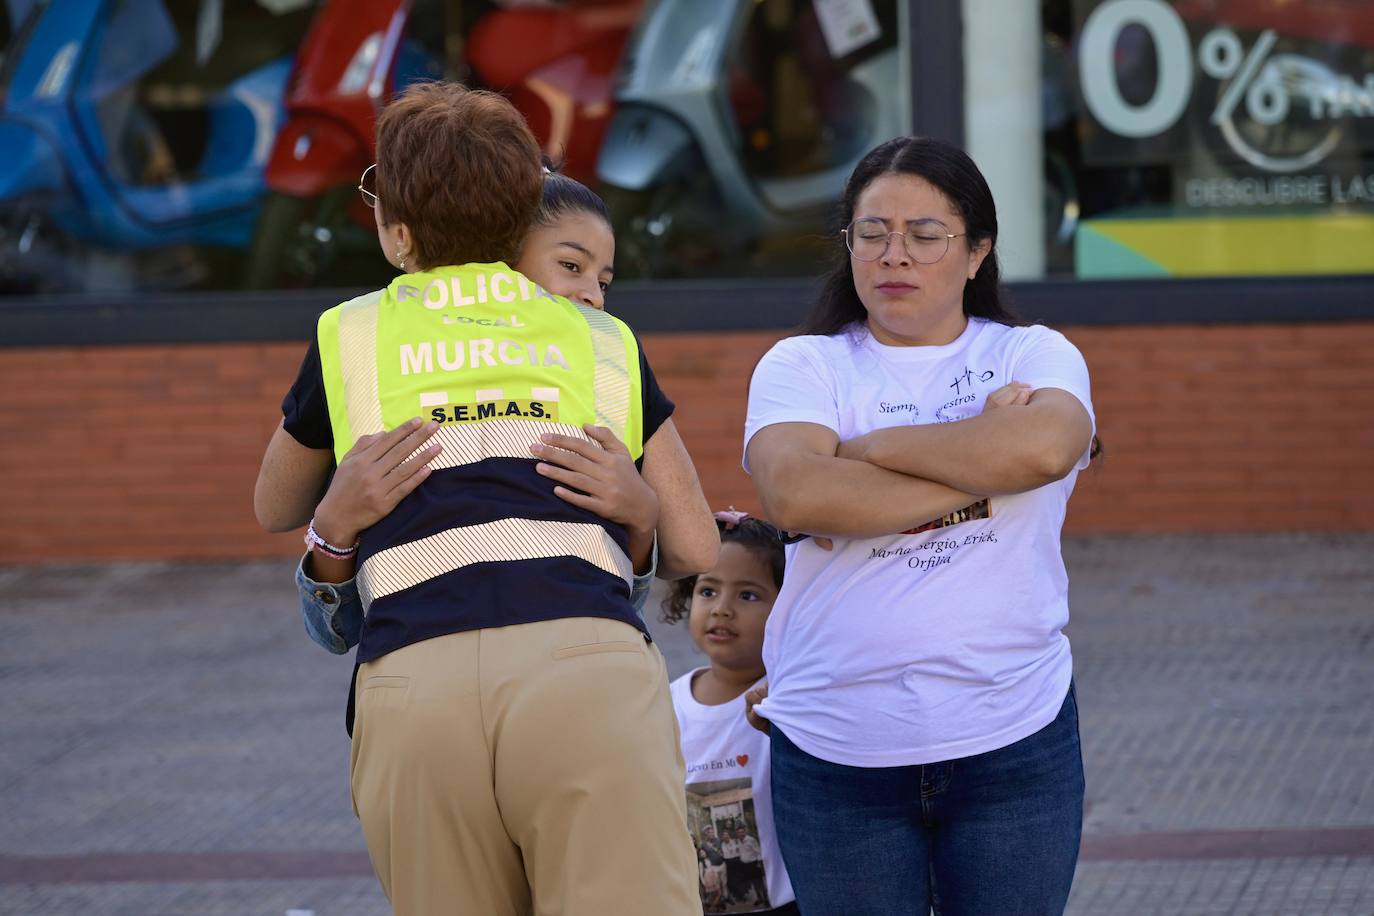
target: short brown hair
<point>460,167</point>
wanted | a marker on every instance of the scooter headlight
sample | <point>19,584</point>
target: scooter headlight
<point>360,67</point>
<point>55,77</point>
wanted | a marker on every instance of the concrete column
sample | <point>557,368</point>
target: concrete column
<point>1004,135</point>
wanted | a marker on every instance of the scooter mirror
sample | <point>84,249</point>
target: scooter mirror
<point>209,29</point>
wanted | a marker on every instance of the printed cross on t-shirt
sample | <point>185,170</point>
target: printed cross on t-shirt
<point>966,378</point>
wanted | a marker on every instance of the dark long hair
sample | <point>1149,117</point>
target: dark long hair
<point>950,170</point>
<point>563,195</point>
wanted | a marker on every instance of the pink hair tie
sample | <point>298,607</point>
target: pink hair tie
<point>731,518</point>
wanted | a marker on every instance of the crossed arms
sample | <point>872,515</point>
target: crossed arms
<point>895,479</point>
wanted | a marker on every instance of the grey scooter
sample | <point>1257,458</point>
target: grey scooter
<point>737,123</point>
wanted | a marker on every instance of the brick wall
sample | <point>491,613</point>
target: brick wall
<point>150,452</point>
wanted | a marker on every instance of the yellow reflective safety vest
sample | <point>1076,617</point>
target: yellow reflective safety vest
<point>497,361</point>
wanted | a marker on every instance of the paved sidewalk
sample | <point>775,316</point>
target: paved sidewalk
<point>171,743</point>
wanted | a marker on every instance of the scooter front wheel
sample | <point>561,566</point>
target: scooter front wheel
<point>668,230</point>
<point>275,242</point>
<point>312,241</point>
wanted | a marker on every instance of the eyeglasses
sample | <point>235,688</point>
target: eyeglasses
<point>926,241</point>
<point>367,185</point>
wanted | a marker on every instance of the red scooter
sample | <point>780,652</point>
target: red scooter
<point>354,56</point>
<point>556,64</point>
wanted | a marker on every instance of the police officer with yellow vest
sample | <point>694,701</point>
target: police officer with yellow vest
<point>512,712</point>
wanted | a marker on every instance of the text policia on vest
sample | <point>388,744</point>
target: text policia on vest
<point>501,286</point>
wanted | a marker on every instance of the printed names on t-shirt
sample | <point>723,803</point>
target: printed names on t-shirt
<point>939,552</point>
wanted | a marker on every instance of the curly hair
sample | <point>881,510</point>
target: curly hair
<point>753,533</point>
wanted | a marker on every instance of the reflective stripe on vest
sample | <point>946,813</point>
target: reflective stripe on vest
<point>398,568</point>
<point>611,374</point>
<point>358,360</point>
<point>474,442</point>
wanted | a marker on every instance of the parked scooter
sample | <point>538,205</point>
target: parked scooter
<point>124,129</point>
<point>737,124</point>
<point>557,65</point>
<point>314,228</point>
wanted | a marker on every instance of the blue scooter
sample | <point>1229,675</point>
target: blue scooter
<point>134,144</point>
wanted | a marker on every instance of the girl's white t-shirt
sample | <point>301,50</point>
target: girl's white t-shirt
<point>727,778</point>
<point>933,645</point>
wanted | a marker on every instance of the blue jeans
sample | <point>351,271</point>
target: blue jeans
<point>995,834</point>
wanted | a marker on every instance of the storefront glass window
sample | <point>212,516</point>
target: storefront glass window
<point>1203,137</point>
<point>214,145</point>
<point>736,125</point>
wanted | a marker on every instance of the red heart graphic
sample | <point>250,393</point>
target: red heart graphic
<point>742,759</point>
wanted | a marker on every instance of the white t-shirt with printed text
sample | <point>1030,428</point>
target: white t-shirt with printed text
<point>727,771</point>
<point>919,647</point>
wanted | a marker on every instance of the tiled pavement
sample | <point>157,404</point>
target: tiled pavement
<point>171,743</point>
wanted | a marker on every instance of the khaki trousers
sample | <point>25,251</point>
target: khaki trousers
<point>524,769</point>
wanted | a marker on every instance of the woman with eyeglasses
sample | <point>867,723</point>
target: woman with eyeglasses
<point>510,700</point>
<point>920,698</point>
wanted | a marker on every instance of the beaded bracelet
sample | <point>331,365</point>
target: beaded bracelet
<point>314,542</point>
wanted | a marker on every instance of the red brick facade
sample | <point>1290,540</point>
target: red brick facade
<point>150,452</point>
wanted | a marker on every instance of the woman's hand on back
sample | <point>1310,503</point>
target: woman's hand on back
<point>599,476</point>
<point>376,474</point>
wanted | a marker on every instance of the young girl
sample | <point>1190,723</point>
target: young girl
<point>727,759</point>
